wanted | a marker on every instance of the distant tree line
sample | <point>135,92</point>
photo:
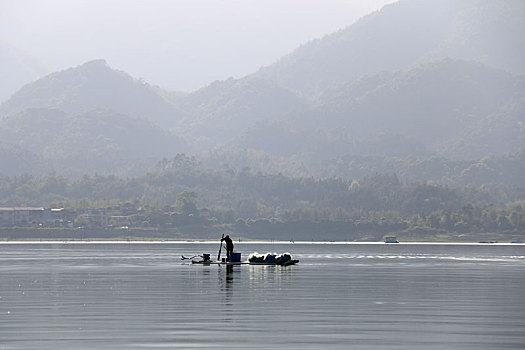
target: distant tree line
<point>180,193</point>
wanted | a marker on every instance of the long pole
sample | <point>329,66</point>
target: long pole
<point>219,256</point>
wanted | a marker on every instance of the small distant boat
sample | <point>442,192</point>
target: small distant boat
<point>391,239</point>
<point>516,240</point>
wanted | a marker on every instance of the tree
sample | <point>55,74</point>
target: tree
<point>187,202</point>
<point>80,221</point>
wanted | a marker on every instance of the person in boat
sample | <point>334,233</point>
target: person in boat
<point>229,246</point>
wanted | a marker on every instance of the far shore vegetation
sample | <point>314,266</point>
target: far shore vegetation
<point>187,201</point>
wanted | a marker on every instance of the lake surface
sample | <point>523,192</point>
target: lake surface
<point>340,296</point>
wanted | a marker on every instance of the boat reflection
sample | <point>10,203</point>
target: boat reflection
<point>226,282</point>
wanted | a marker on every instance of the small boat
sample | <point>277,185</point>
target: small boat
<point>255,259</point>
<point>230,263</point>
<point>391,239</point>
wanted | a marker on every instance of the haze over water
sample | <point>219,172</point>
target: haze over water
<point>365,296</point>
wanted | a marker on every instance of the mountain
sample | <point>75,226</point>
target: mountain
<point>15,160</point>
<point>455,108</point>
<point>94,85</point>
<point>17,69</point>
<point>222,110</point>
<point>403,35</point>
<point>90,118</point>
<point>433,103</point>
<point>425,79</point>
<point>95,141</point>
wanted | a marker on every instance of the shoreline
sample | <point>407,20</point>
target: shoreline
<point>214,242</point>
<point>154,235</point>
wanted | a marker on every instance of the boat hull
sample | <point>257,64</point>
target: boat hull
<point>288,263</point>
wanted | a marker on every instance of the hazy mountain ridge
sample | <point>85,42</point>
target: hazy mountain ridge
<point>90,86</point>
<point>405,34</point>
<point>222,110</point>
<point>434,108</point>
<point>91,118</point>
<point>95,141</point>
<point>15,160</point>
<point>329,100</point>
<point>435,104</point>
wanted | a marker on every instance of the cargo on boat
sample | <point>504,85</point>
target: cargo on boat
<point>284,259</point>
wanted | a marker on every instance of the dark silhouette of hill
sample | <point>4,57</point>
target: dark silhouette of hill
<point>405,34</point>
<point>91,118</point>
<point>222,110</point>
<point>95,141</point>
<point>15,160</point>
<point>91,86</point>
<point>381,88</point>
<point>454,108</point>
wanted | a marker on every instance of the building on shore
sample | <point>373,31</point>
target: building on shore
<point>51,217</point>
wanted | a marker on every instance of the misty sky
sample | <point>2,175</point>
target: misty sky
<point>178,44</point>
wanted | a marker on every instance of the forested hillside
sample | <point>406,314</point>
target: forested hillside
<point>99,140</point>
<point>450,108</point>
<point>222,110</point>
<point>93,85</point>
<point>88,119</point>
<point>182,196</point>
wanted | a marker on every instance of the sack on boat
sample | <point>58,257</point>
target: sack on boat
<point>262,258</point>
<point>270,258</point>
<point>256,257</point>
<point>283,258</point>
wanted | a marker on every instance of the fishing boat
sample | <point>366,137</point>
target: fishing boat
<point>229,263</point>
<point>284,259</point>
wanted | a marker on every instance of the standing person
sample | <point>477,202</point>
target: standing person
<point>229,246</point>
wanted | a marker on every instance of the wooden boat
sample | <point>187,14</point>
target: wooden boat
<point>227,263</point>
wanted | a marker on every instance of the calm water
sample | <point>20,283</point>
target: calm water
<point>362,296</point>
